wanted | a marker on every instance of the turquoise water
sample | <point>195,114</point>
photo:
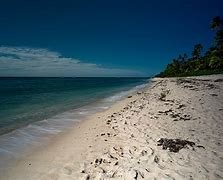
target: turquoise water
<point>24,101</point>
<point>32,110</point>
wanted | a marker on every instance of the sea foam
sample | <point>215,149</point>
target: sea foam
<point>18,143</point>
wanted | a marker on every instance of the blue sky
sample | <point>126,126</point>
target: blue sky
<point>100,38</point>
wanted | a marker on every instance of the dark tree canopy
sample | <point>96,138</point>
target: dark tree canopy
<point>197,51</point>
<point>210,63</point>
<point>216,22</point>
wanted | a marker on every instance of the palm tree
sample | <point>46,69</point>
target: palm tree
<point>197,51</point>
<point>197,64</point>
<point>216,22</point>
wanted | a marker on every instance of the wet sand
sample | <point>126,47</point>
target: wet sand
<point>171,130</point>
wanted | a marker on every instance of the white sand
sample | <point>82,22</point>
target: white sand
<point>121,142</point>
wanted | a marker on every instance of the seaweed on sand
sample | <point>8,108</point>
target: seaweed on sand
<point>174,145</point>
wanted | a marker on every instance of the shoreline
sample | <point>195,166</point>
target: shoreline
<point>121,142</point>
<point>53,139</point>
<point>17,144</point>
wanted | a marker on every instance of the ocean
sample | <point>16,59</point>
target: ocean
<point>31,108</point>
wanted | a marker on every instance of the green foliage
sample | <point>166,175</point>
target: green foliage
<point>216,22</point>
<point>210,63</point>
<point>219,39</point>
<point>197,51</point>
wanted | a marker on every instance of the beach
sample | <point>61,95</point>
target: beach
<point>171,129</point>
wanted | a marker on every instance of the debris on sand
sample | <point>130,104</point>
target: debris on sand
<point>218,80</point>
<point>174,145</point>
<point>139,93</point>
<point>162,96</point>
<point>181,106</point>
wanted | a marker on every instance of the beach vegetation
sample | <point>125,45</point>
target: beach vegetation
<point>209,62</point>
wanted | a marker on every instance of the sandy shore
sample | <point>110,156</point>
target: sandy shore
<point>171,130</point>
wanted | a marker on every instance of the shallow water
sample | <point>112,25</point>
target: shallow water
<point>27,100</point>
<point>33,109</point>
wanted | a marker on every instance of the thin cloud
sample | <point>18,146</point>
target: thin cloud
<point>23,61</point>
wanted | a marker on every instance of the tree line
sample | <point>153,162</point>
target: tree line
<point>210,63</point>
